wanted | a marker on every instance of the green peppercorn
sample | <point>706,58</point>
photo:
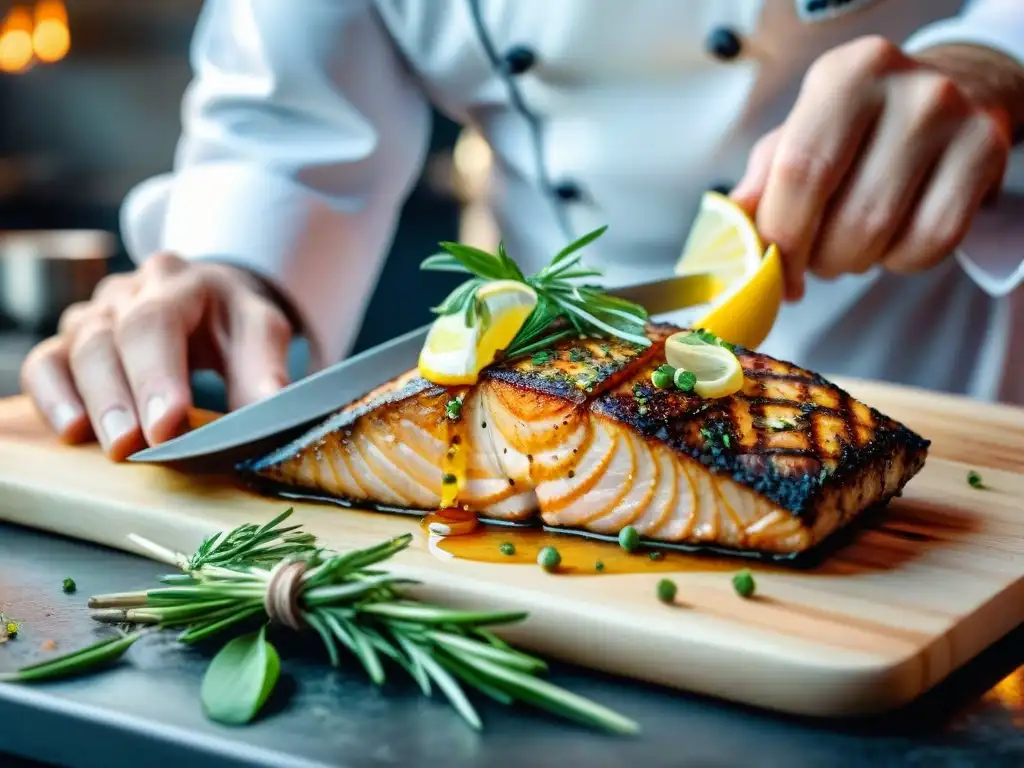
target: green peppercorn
<point>662,377</point>
<point>666,590</point>
<point>507,548</point>
<point>548,558</point>
<point>743,583</point>
<point>69,585</point>
<point>684,380</point>
<point>629,539</point>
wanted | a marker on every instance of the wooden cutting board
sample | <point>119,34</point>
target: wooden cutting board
<point>939,579</point>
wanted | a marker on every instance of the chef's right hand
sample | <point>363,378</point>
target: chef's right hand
<point>119,365</point>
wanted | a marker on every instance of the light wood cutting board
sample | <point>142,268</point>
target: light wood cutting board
<point>898,615</point>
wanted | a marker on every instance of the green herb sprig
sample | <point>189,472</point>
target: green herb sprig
<point>276,575</point>
<point>564,306</point>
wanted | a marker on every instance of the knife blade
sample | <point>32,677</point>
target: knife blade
<point>317,396</point>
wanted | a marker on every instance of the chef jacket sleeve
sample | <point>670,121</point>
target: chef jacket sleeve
<point>991,254</point>
<point>302,133</point>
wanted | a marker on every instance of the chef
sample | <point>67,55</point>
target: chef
<point>874,139</point>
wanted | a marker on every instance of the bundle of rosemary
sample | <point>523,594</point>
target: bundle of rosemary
<point>277,577</point>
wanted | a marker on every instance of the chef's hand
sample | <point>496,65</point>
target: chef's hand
<point>119,364</point>
<point>884,159</point>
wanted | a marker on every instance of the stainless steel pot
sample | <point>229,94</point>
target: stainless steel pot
<point>44,272</point>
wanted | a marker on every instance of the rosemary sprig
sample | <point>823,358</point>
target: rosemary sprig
<point>250,545</point>
<point>564,307</point>
<point>234,578</point>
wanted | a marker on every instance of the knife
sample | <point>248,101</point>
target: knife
<point>304,402</point>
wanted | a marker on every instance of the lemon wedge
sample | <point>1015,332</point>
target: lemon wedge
<point>717,369</point>
<point>744,313</point>
<point>455,353</point>
<point>724,241</point>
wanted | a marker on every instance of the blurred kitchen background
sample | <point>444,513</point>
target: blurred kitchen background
<point>90,94</point>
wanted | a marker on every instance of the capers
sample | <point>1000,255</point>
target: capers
<point>666,590</point>
<point>549,559</point>
<point>662,377</point>
<point>629,539</point>
<point>684,380</point>
<point>743,583</point>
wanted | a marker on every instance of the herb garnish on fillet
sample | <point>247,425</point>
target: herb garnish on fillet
<point>586,309</point>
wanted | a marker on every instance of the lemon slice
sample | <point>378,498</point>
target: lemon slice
<point>724,241</point>
<point>718,371</point>
<point>455,353</point>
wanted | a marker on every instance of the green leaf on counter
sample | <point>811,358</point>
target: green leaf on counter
<point>240,679</point>
<point>77,662</point>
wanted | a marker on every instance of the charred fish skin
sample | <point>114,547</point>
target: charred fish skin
<point>573,369</point>
<point>789,435</point>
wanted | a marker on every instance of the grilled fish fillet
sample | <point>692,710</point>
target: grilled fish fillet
<point>580,437</point>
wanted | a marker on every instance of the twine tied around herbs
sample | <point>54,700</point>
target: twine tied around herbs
<point>283,590</point>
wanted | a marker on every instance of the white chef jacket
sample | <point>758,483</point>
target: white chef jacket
<point>307,122</point>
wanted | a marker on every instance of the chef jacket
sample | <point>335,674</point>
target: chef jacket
<point>306,125</point>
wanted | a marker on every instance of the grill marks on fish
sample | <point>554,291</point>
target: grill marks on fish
<point>581,438</point>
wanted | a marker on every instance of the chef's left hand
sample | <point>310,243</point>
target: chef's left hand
<point>883,160</point>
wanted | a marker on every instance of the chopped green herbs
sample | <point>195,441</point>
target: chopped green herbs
<point>717,437</point>
<point>599,566</point>
<point>656,555</point>
<point>579,354</point>
<point>542,357</point>
<point>640,395</point>
<point>684,380</point>
<point>707,337</point>
<point>453,408</point>
<point>779,424</point>
<point>69,585</point>
<point>743,583</point>
<point>586,380</point>
<point>507,548</point>
<point>667,590</point>
<point>549,558</point>
<point>975,481</point>
<point>629,539</point>
<point>449,479</point>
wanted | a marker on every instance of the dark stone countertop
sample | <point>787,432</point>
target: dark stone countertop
<point>145,711</point>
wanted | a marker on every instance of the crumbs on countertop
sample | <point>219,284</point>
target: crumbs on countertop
<point>9,628</point>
